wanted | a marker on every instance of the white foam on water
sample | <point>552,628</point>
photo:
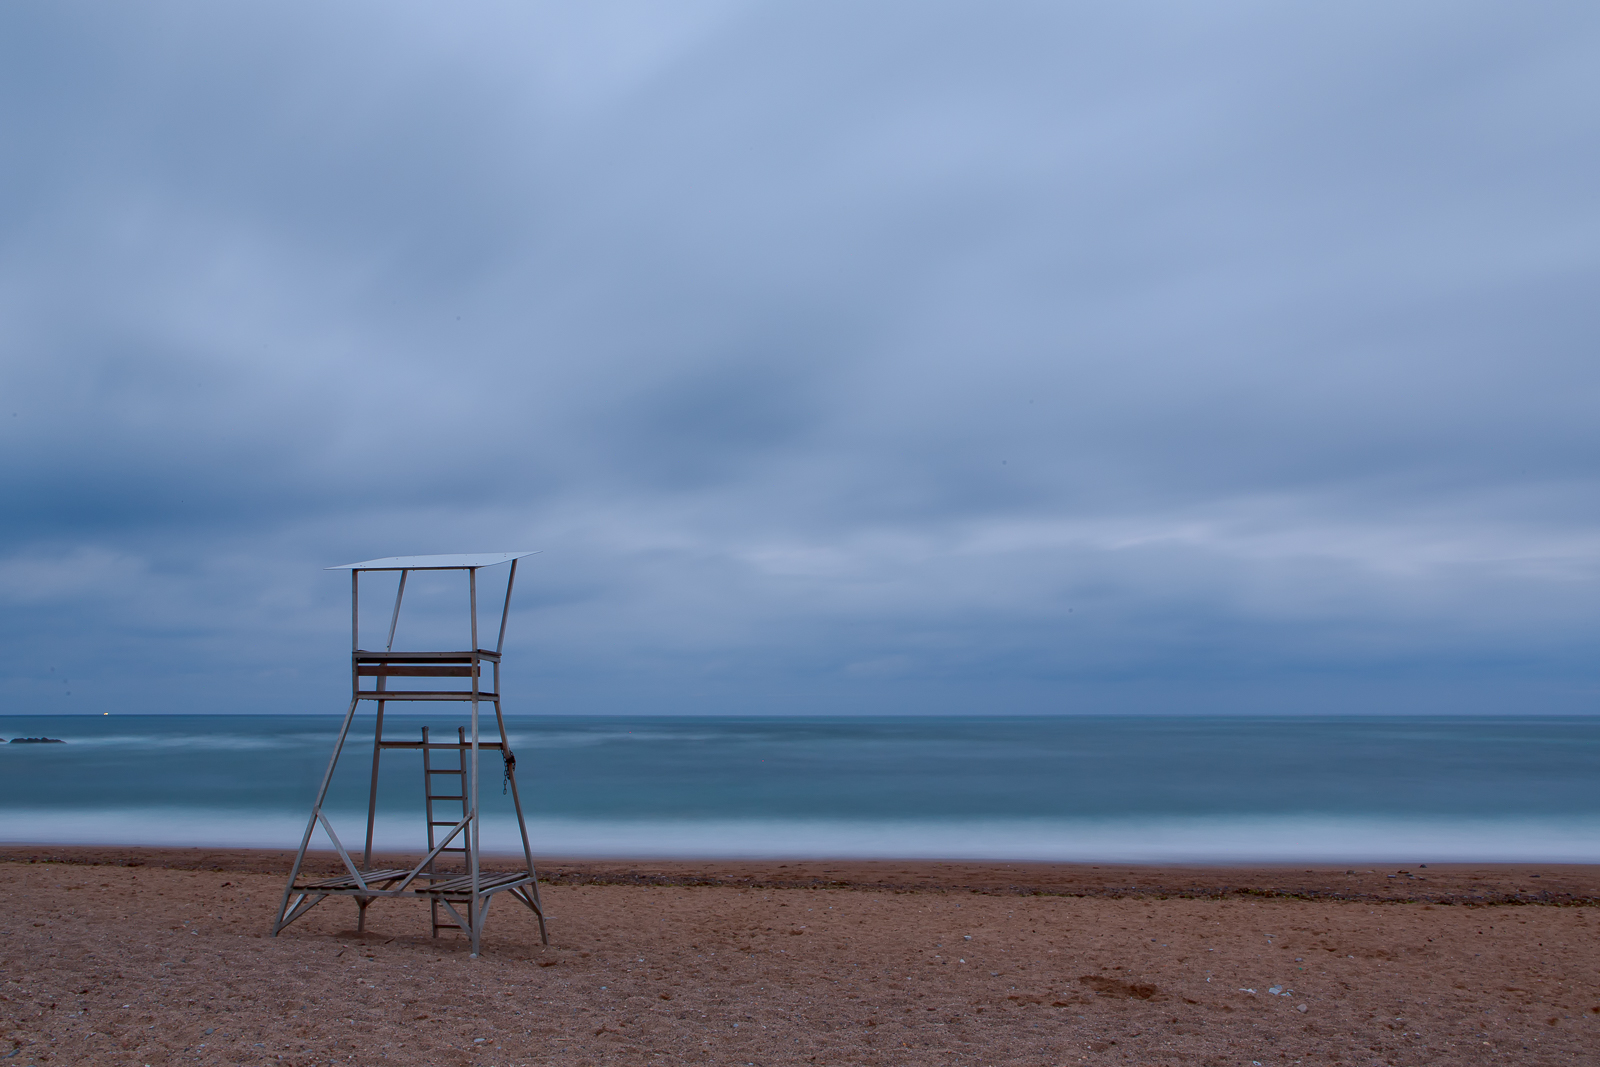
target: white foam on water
<point>1166,840</point>
<point>1266,839</point>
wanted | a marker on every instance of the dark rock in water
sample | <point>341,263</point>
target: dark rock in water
<point>37,741</point>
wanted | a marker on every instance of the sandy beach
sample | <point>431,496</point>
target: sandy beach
<point>124,956</point>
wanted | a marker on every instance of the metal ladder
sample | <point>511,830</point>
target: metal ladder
<point>460,771</point>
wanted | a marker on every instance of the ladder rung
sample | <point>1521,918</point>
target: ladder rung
<point>432,798</point>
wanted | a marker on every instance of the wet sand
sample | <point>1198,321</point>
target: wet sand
<point>118,956</point>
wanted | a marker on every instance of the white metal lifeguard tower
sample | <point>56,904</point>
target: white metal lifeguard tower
<point>464,894</point>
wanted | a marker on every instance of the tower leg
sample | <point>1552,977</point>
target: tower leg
<point>531,892</point>
<point>311,824</point>
<point>372,799</point>
<point>475,907</point>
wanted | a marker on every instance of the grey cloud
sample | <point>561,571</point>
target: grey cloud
<point>999,357</point>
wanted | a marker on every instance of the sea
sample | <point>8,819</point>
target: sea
<point>1080,788</point>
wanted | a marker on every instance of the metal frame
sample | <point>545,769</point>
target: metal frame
<point>470,892</point>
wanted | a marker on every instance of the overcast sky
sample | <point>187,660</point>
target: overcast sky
<point>997,357</point>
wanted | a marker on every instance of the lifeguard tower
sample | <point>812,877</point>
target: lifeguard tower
<point>459,898</point>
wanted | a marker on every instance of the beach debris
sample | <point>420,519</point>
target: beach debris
<point>1302,1007</point>
<point>1275,990</point>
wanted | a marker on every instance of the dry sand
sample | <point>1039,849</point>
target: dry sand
<point>161,957</point>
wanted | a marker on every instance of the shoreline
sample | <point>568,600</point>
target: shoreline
<point>1443,883</point>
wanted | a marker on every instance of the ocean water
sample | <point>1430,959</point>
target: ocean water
<point>1142,789</point>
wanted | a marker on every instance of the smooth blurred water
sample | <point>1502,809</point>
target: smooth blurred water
<point>1044,788</point>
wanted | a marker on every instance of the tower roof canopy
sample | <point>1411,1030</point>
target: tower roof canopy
<point>451,561</point>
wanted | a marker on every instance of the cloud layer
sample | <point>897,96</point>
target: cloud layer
<point>1003,357</point>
